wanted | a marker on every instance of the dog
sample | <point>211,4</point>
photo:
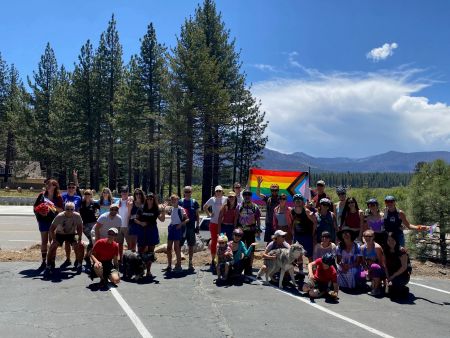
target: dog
<point>135,264</point>
<point>284,261</point>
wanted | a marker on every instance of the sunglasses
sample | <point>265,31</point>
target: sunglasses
<point>237,187</point>
<point>283,198</point>
<point>367,236</point>
<point>371,204</point>
<point>219,190</point>
<point>187,191</point>
<point>112,234</point>
<point>70,187</point>
<point>274,190</point>
<point>222,243</point>
<point>351,202</point>
<point>389,201</point>
<point>237,235</point>
<point>105,192</point>
<point>70,209</point>
<point>116,210</point>
<point>326,237</point>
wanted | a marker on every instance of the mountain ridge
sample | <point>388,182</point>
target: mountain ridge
<point>391,161</point>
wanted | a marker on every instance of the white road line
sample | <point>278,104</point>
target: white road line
<point>430,287</point>
<point>335,314</point>
<point>130,313</point>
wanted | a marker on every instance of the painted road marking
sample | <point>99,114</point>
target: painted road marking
<point>332,313</point>
<point>130,313</point>
<point>430,287</point>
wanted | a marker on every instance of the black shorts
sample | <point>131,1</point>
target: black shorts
<point>61,238</point>
<point>189,236</point>
<point>108,269</point>
<point>249,237</point>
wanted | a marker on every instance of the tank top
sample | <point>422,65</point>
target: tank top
<point>370,255</point>
<point>392,221</point>
<point>229,216</point>
<point>281,218</point>
<point>352,220</point>
<point>303,226</point>
<point>376,225</point>
<point>325,223</point>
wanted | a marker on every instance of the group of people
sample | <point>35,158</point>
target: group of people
<point>345,246</point>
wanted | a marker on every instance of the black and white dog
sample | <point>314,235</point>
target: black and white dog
<point>134,264</point>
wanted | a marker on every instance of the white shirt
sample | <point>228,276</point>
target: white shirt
<point>107,223</point>
<point>216,204</point>
<point>123,212</point>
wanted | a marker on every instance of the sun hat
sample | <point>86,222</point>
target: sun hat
<point>353,233</point>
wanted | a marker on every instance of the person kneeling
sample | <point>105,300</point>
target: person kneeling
<point>324,273</point>
<point>224,258</point>
<point>105,256</point>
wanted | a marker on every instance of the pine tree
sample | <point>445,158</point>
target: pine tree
<point>152,65</point>
<point>42,94</point>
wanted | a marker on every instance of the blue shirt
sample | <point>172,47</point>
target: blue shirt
<point>191,206</point>
<point>75,199</point>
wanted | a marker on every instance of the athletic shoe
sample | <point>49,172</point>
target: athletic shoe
<point>66,263</point>
<point>167,269</point>
<point>178,269</point>
<point>191,266</point>
<point>42,266</point>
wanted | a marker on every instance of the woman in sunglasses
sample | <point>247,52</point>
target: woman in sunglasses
<point>282,218</point>
<point>374,220</point>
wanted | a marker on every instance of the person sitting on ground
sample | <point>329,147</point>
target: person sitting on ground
<point>278,242</point>
<point>325,246</point>
<point>66,227</point>
<point>348,259</point>
<point>321,273</point>
<point>106,221</point>
<point>105,256</point>
<point>224,257</point>
<point>241,254</point>
<point>373,262</point>
<point>398,270</point>
<point>178,219</point>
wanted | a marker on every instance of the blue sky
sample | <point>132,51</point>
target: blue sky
<point>336,78</point>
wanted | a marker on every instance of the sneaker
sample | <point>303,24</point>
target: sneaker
<point>374,292</point>
<point>167,269</point>
<point>42,266</point>
<point>178,269</point>
<point>66,263</point>
<point>191,266</point>
<point>48,270</point>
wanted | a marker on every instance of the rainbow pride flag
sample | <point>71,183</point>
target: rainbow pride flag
<point>290,183</point>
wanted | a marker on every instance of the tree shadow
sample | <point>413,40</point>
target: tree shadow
<point>411,300</point>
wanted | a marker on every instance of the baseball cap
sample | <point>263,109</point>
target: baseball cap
<point>218,188</point>
<point>231,193</point>
<point>279,233</point>
<point>320,182</point>
<point>112,229</point>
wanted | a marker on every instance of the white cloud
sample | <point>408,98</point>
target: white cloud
<point>381,53</point>
<point>353,115</point>
<point>264,67</point>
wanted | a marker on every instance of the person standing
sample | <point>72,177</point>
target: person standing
<point>71,196</point>
<point>394,219</point>
<point>303,225</point>
<point>88,211</point>
<point>66,227</point>
<point>353,218</point>
<point>237,189</point>
<point>125,205</point>
<point>192,207</point>
<point>339,206</point>
<point>228,214</point>
<point>215,203</point>
<point>326,220</point>
<point>47,205</point>
<point>319,193</point>
<point>271,202</point>
<point>249,219</point>
<point>134,228</point>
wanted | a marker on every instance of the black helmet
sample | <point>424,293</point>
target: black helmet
<point>341,190</point>
<point>328,259</point>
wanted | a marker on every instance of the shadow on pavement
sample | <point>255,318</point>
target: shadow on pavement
<point>56,276</point>
<point>411,300</point>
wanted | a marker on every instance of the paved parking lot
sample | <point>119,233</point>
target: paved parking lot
<point>192,305</point>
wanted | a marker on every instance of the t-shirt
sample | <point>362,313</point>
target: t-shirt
<point>324,275</point>
<point>76,199</point>
<point>175,215</point>
<point>105,251</point>
<point>67,225</point>
<point>191,206</point>
<point>148,216</point>
<point>87,212</point>
<point>271,203</point>
<point>273,245</point>
<point>216,204</point>
<point>319,251</point>
<point>249,215</point>
<point>123,212</point>
<point>107,223</point>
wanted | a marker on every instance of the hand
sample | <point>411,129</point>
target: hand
<point>253,244</point>
<point>98,265</point>
<point>310,277</point>
<point>75,173</point>
<point>259,179</point>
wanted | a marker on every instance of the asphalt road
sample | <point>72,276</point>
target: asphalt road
<point>193,306</point>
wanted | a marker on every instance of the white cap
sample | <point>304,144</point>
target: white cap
<point>218,187</point>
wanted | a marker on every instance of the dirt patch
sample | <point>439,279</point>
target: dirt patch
<point>33,254</point>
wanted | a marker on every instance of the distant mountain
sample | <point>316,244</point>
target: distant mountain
<point>392,161</point>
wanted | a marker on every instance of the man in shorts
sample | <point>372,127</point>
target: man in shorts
<point>105,257</point>
<point>66,227</point>
<point>192,207</point>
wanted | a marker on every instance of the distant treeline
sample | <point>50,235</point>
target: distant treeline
<point>362,180</point>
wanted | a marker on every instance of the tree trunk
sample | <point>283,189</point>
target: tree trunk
<point>178,171</point>
<point>151,157</point>
<point>189,150</point>
<point>9,154</point>
<point>207,162</point>
<point>235,165</point>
